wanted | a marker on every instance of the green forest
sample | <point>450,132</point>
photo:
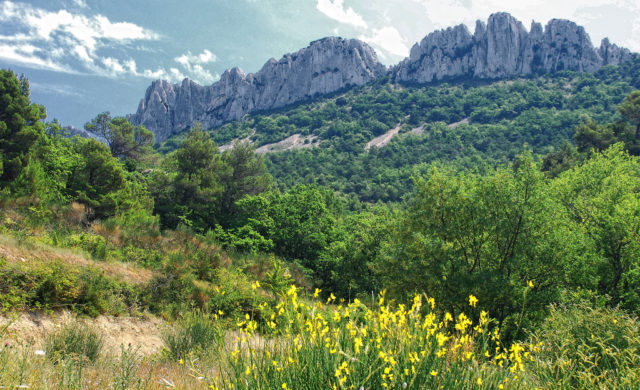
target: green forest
<point>519,196</point>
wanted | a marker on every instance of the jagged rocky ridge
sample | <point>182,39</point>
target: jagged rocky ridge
<point>498,49</point>
<point>327,65</point>
<point>503,48</point>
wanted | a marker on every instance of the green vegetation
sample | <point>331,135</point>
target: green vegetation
<point>541,112</point>
<point>193,334</point>
<point>503,210</point>
<point>74,341</point>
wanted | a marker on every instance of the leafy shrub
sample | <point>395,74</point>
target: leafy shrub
<point>196,333</point>
<point>56,285</point>
<point>588,347</point>
<point>76,341</point>
<point>95,245</point>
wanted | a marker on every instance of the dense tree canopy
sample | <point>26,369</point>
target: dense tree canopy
<point>21,124</point>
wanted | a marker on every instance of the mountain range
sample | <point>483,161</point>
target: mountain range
<point>498,49</point>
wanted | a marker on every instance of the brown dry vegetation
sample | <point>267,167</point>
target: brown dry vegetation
<point>38,253</point>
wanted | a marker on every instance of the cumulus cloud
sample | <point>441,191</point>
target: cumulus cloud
<point>388,39</point>
<point>69,42</point>
<point>195,66</point>
<point>334,9</point>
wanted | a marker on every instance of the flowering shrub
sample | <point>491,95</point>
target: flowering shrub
<point>324,345</point>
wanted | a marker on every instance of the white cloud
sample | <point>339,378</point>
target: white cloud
<point>388,39</point>
<point>194,65</point>
<point>24,55</point>
<point>66,42</point>
<point>334,9</point>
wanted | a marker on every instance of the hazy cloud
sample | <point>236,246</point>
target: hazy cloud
<point>195,66</point>
<point>80,3</point>
<point>388,39</point>
<point>335,10</point>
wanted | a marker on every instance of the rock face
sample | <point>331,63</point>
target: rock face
<point>325,66</point>
<point>504,48</point>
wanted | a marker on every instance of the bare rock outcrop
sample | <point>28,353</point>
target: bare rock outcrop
<point>325,66</point>
<point>504,48</point>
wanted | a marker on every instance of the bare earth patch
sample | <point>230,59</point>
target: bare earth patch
<point>245,140</point>
<point>417,130</point>
<point>141,333</point>
<point>293,142</point>
<point>383,139</point>
<point>453,125</point>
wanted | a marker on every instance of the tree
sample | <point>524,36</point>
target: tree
<point>125,140</point>
<point>602,198</point>
<point>245,174</point>
<point>630,109</point>
<point>96,177</point>
<point>483,235</point>
<point>21,124</point>
<point>592,135</point>
<point>188,191</point>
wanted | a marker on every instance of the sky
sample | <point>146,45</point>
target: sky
<point>83,57</point>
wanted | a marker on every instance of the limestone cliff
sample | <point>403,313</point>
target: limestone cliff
<point>504,48</point>
<point>326,66</point>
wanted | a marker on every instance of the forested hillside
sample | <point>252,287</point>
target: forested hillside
<point>467,124</point>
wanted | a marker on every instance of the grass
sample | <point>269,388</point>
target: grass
<point>195,333</point>
<point>74,340</point>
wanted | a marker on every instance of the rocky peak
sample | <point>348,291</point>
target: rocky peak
<point>325,66</point>
<point>504,48</point>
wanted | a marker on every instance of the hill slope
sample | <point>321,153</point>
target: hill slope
<point>470,124</point>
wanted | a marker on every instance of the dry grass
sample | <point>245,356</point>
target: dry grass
<point>38,253</point>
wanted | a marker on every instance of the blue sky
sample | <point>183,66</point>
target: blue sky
<point>83,57</point>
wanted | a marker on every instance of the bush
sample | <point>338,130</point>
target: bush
<point>74,341</point>
<point>588,347</point>
<point>56,285</point>
<point>195,333</point>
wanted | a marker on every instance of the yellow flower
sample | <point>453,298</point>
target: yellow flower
<point>473,300</point>
<point>317,292</point>
<point>530,284</point>
<point>434,372</point>
<point>284,386</point>
<point>479,381</point>
<point>181,362</point>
